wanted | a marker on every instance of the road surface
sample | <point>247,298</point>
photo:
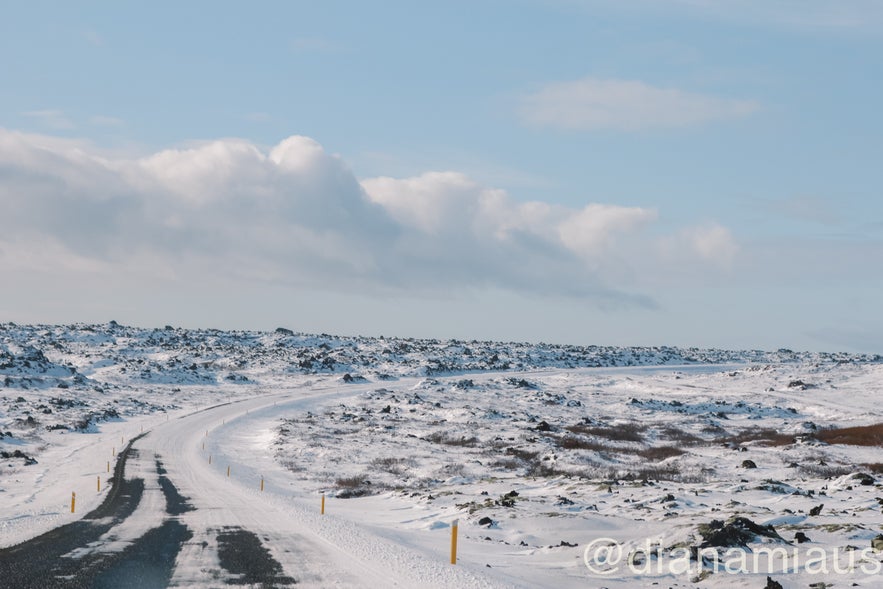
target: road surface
<point>173,517</point>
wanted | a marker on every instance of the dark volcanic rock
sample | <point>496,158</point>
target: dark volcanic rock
<point>543,427</point>
<point>737,533</point>
<point>864,478</point>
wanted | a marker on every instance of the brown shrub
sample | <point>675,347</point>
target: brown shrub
<point>626,432</point>
<point>763,436</point>
<point>393,465</point>
<point>660,452</point>
<point>658,473</point>
<point>678,435</point>
<point>507,464</point>
<point>544,468</point>
<point>447,440</point>
<point>824,471</point>
<point>351,482</point>
<point>520,454</point>
<point>581,443</point>
<point>863,435</point>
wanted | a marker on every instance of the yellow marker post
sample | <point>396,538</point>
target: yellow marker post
<point>228,472</point>
<point>454,542</point>
<point>99,484</point>
<point>108,466</point>
<point>262,484</point>
<point>323,504</point>
<point>73,502</point>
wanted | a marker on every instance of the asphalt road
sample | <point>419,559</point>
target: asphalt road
<point>73,556</point>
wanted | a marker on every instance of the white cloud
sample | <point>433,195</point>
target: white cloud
<point>50,118</point>
<point>713,243</point>
<point>590,231</point>
<point>591,104</point>
<point>710,243</point>
<point>228,210</point>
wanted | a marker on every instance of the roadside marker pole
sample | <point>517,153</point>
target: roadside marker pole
<point>262,484</point>
<point>454,542</point>
<point>228,472</point>
<point>209,458</point>
<point>108,466</point>
<point>323,504</point>
<point>113,451</point>
<point>73,502</point>
<point>99,484</point>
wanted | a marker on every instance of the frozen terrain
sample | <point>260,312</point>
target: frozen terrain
<point>543,453</point>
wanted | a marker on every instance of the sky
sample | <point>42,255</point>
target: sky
<point>642,172</point>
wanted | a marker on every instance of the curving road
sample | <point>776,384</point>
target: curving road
<point>175,518</point>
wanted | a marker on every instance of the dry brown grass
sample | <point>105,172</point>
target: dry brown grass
<point>626,432</point>
<point>522,454</point>
<point>657,473</point>
<point>863,435</point>
<point>448,440</point>
<point>660,452</point>
<point>351,482</point>
<point>824,471</point>
<point>683,438</point>
<point>581,443</point>
<point>508,464</point>
<point>763,437</point>
<point>393,465</point>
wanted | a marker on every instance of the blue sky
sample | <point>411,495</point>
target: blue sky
<point>586,171</point>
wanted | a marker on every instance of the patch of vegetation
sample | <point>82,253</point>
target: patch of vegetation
<point>863,435</point>
<point>660,452</point>
<point>625,432</point>
<point>448,440</point>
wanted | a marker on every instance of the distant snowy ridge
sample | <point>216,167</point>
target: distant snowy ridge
<point>39,356</point>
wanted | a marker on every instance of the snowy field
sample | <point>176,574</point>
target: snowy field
<point>565,466</point>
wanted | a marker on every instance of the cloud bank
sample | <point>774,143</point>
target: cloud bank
<point>295,214</point>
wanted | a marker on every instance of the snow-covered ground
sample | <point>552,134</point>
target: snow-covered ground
<point>543,453</point>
